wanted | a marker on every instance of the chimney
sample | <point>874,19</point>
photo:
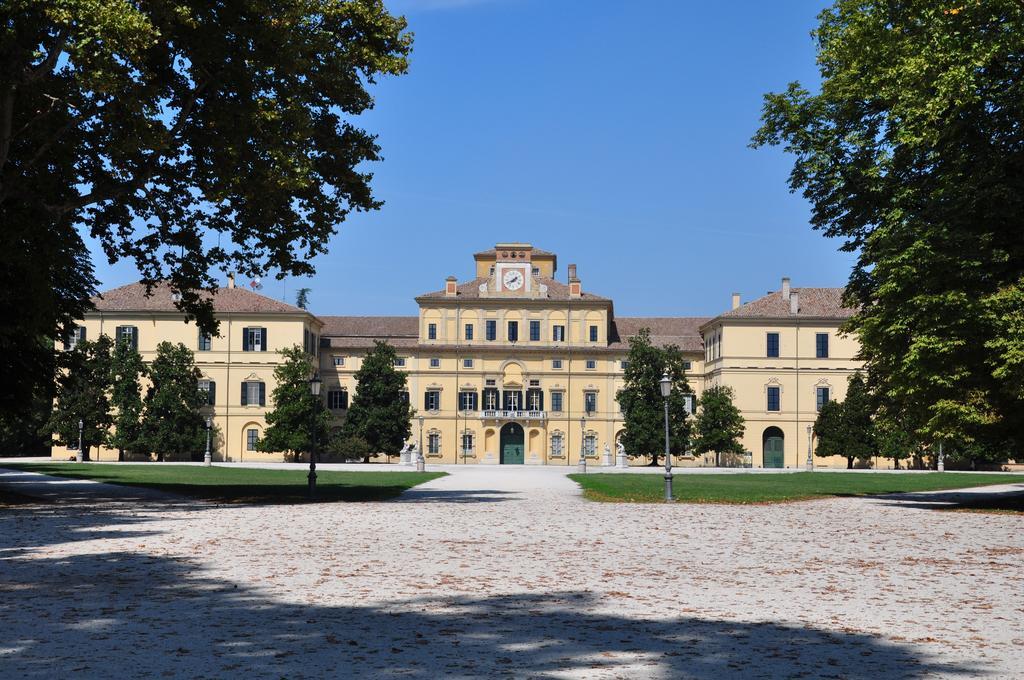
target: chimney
<point>231,280</point>
<point>735,300</point>
<point>450,284</point>
<point>794,303</point>
<point>785,287</point>
<point>575,289</point>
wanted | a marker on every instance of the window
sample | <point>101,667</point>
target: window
<point>534,383</point>
<point>557,445</point>
<point>432,400</point>
<point>512,400</point>
<point>534,400</point>
<point>536,271</point>
<point>773,345</point>
<point>434,443</point>
<point>129,334</point>
<point>535,331</point>
<point>490,399</point>
<point>556,364</point>
<point>431,331</point>
<point>309,341</point>
<point>435,363</point>
<point>558,333</point>
<point>821,397</point>
<point>254,339</point>
<point>687,365</point>
<point>513,331</point>
<point>254,393</point>
<point>773,398</point>
<point>467,363</point>
<point>77,336</point>
<point>403,396</point>
<point>399,362</point>
<point>467,401</point>
<point>469,331</point>
<point>467,442</point>
<point>492,329</point>
<point>591,364</point>
<point>821,345</point>
<point>556,402</point>
<point>590,401</point>
<point>210,387</point>
<point>205,341</point>
<point>338,361</point>
<point>251,437</point>
<point>590,445</point>
<point>337,400</point>
<point>623,365</point>
<point>593,333</point>
<point>489,381</point>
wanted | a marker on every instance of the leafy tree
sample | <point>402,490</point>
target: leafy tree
<point>846,428</point>
<point>895,442</point>
<point>158,128</point>
<point>172,425</point>
<point>378,415</point>
<point>349,448</point>
<point>82,394</point>
<point>23,429</point>
<point>296,411</point>
<point>126,369</point>
<point>913,153</point>
<point>719,424</point>
<point>642,404</point>
<point>302,298</point>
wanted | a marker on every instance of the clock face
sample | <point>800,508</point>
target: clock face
<point>513,280</point>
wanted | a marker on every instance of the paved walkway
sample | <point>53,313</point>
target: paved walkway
<point>523,578</point>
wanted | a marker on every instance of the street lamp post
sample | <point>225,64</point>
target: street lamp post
<point>420,462</point>
<point>208,458</point>
<point>78,455</point>
<point>810,437</point>
<point>583,447</point>
<point>666,389</point>
<point>314,389</point>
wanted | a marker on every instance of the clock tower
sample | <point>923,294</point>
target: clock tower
<point>513,270</point>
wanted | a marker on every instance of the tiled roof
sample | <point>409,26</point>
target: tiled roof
<point>534,251</point>
<point>133,298</point>
<point>682,331</point>
<point>379,327</point>
<point>556,291</point>
<point>814,302</point>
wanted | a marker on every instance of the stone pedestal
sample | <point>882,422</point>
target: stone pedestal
<point>623,462</point>
<point>606,457</point>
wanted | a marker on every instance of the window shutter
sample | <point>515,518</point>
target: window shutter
<point>135,337</point>
<point>67,343</point>
<point>212,394</point>
<point>263,394</point>
<point>81,333</point>
<point>540,398</point>
<point>245,341</point>
<point>263,334</point>
<point>426,401</point>
<point>245,393</point>
<point>344,399</point>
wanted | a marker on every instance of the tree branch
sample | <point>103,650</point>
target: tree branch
<point>46,65</point>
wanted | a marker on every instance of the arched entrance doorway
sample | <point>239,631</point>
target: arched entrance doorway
<point>512,444</point>
<point>773,442</point>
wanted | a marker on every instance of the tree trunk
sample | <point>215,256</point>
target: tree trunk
<point>849,462</point>
<point>654,461</point>
<point>366,458</point>
<point>120,455</point>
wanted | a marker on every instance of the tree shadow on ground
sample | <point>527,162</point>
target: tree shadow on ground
<point>420,495</point>
<point>137,614</point>
<point>1001,501</point>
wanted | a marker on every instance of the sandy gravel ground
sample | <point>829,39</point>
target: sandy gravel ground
<point>498,573</point>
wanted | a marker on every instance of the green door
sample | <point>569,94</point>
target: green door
<point>512,444</point>
<point>773,452</point>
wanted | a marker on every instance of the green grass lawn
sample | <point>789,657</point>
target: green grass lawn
<point>241,485</point>
<point>773,488</point>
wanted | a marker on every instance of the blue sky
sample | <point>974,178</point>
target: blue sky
<point>612,133</point>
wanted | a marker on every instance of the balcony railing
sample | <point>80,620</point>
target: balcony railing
<point>512,415</point>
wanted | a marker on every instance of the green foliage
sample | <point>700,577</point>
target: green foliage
<point>83,394</point>
<point>296,411</point>
<point>846,428</point>
<point>719,424</point>
<point>895,442</point>
<point>642,404</point>
<point>161,126</point>
<point>378,415</point>
<point>172,425</point>
<point>302,298</point>
<point>349,448</point>
<point>126,370</point>
<point>23,424</point>
<point>912,154</point>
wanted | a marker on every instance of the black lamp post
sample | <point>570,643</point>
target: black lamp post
<point>314,389</point>
<point>420,461</point>
<point>666,389</point>
<point>81,454</point>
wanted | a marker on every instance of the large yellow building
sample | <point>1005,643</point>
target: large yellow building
<point>512,366</point>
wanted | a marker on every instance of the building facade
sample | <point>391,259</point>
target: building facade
<point>512,366</point>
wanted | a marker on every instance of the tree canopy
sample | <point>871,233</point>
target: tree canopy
<point>719,423</point>
<point>173,425</point>
<point>846,428</point>
<point>126,370</point>
<point>379,415</point>
<point>83,395</point>
<point>188,137</point>
<point>912,153</point>
<point>642,404</point>
<point>296,412</point>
